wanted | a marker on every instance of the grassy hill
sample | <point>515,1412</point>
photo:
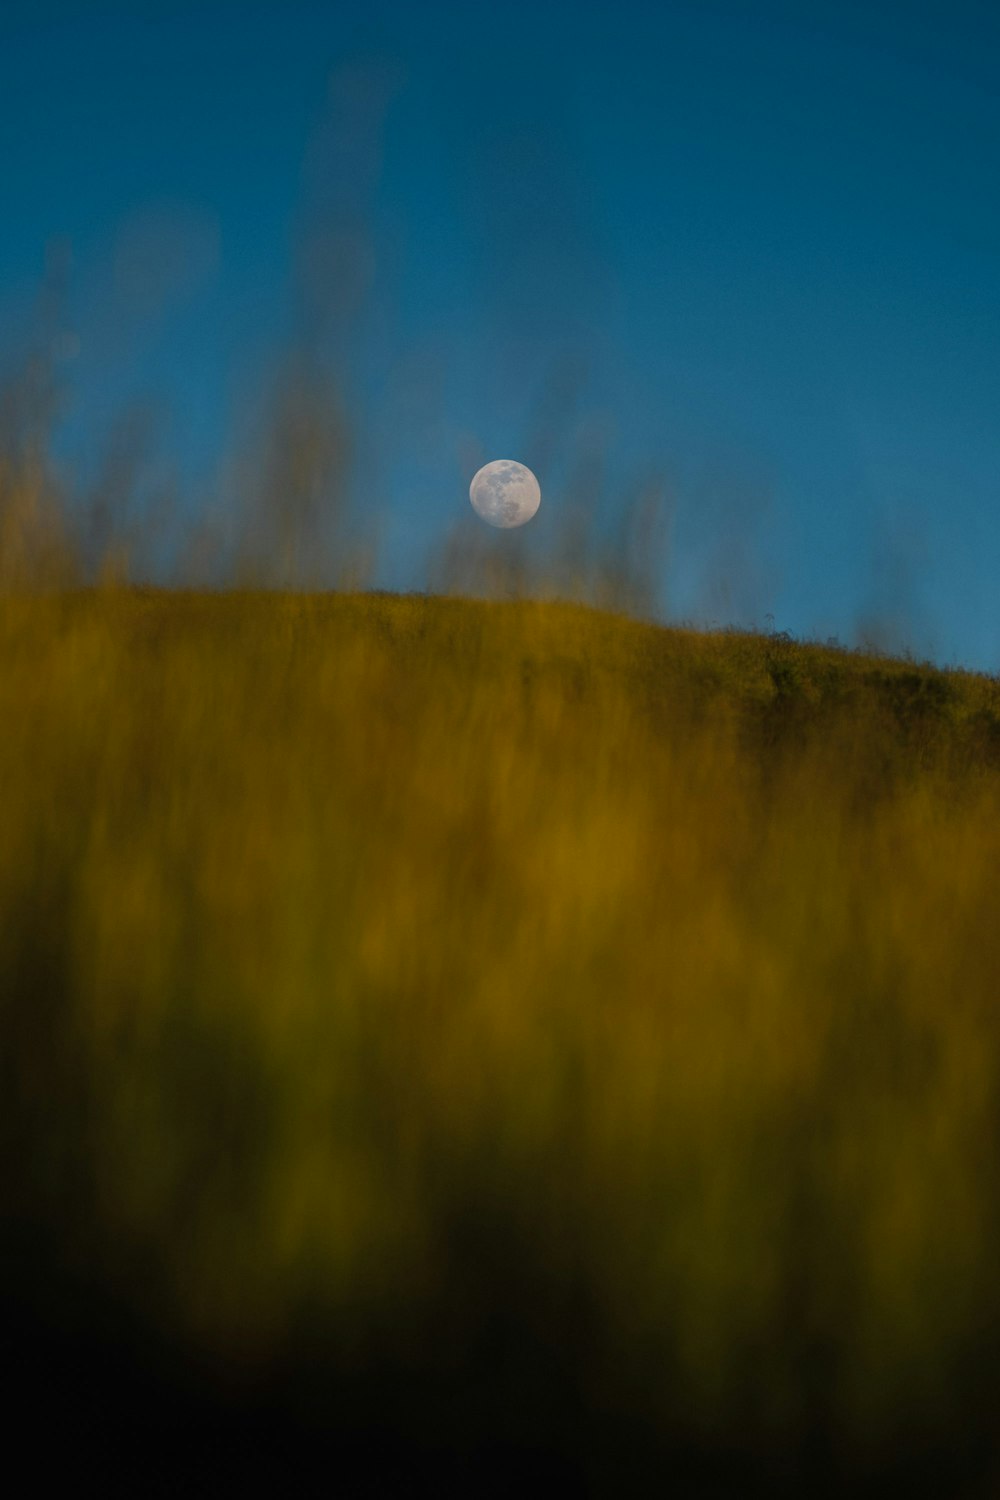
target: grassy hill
<point>497,1041</point>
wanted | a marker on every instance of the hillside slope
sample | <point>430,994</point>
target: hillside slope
<point>499,1041</point>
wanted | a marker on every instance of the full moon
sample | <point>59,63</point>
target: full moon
<point>505,493</point>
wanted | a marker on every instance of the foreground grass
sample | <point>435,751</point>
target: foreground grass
<point>504,1029</point>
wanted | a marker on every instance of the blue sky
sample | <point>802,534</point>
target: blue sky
<point>752,249</point>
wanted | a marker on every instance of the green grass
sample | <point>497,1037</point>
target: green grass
<point>508,1029</point>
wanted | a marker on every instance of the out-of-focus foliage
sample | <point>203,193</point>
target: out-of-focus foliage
<point>552,1033</point>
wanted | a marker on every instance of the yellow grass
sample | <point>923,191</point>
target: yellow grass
<point>534,1002</point>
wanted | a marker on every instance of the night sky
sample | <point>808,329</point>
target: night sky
<point>752,250</point>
